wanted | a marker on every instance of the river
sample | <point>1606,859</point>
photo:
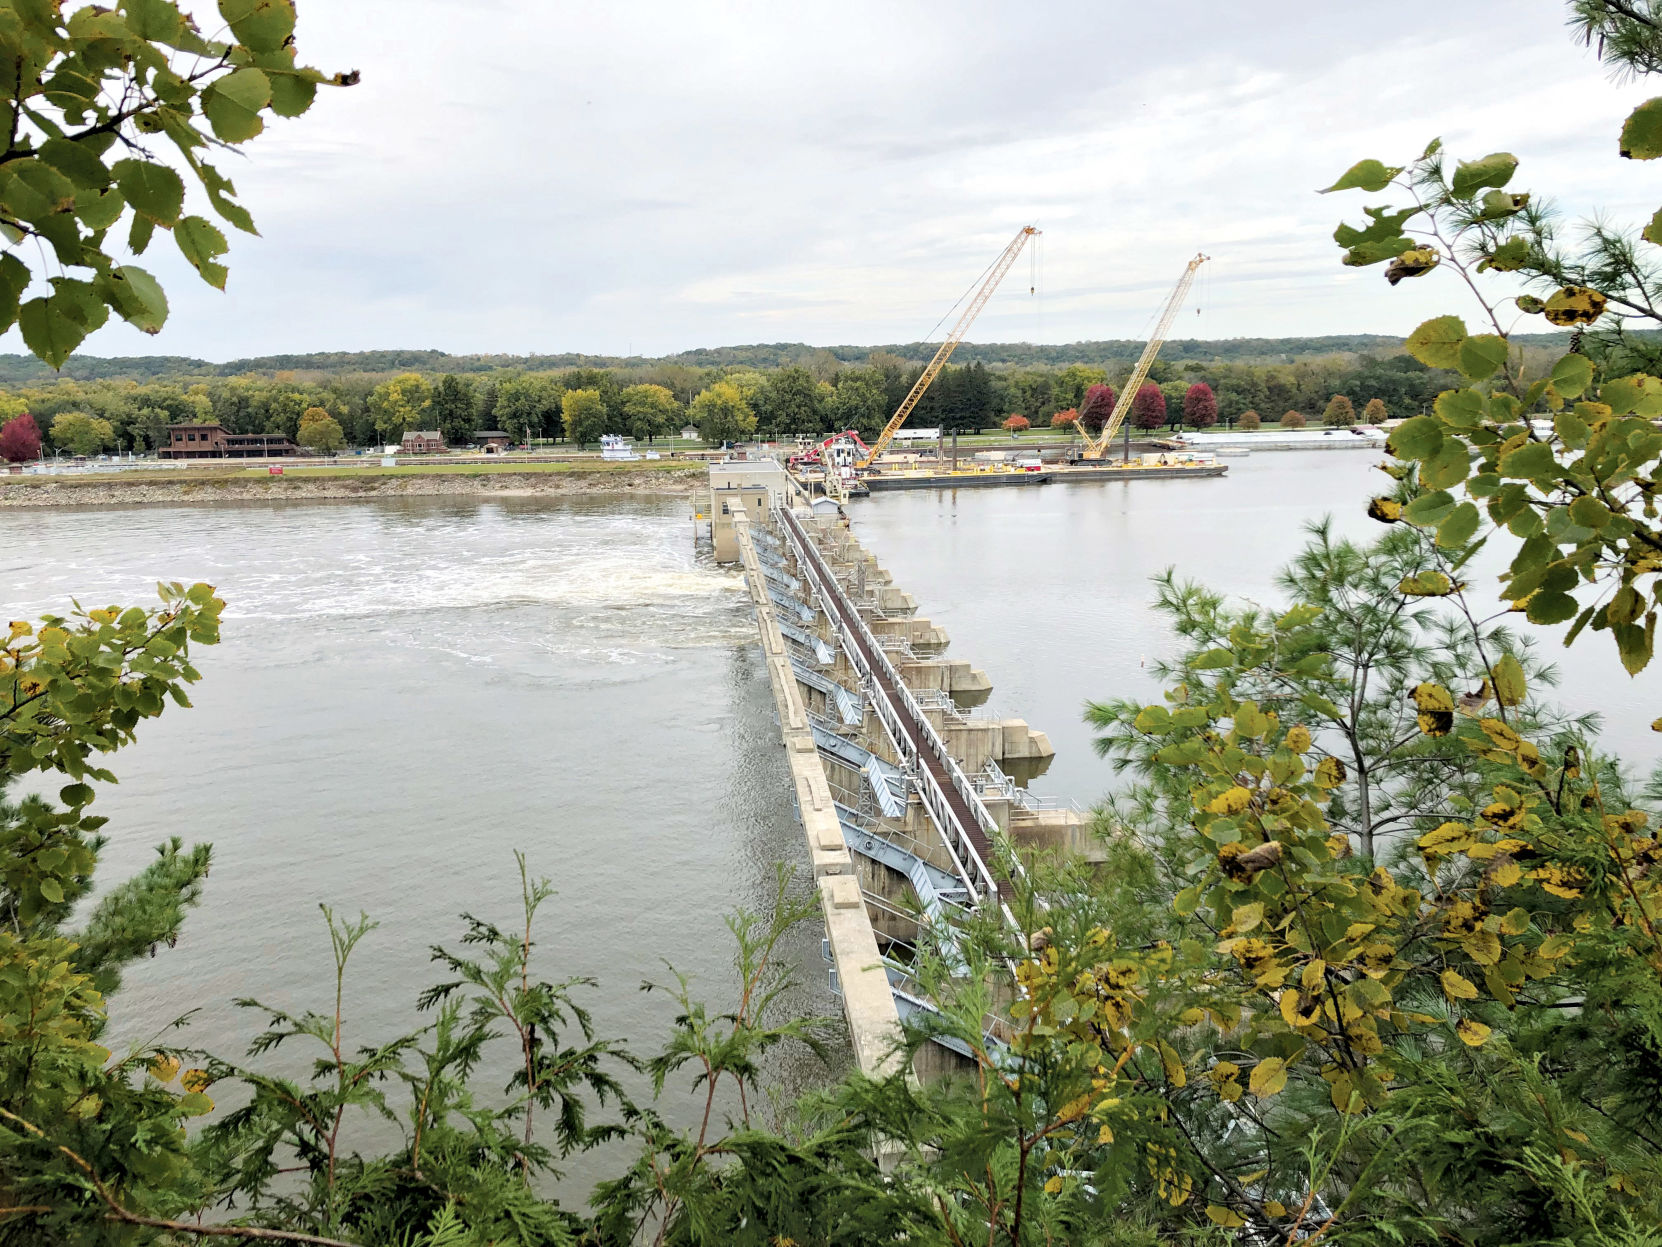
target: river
<point>409,690</point>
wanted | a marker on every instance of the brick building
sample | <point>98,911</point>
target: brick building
<point>211,441</point>
<point>422,442</point>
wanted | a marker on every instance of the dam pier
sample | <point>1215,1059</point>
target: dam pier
<point>901,786</point>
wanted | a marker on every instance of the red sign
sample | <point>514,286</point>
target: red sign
<point>275,470</point>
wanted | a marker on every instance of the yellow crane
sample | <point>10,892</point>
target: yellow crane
<point>1000,267</point>
<point>1096,446</point>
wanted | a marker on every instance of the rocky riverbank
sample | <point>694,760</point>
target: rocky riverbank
<point>69,491</point>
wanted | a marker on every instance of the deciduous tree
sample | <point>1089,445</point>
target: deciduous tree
<point>858,402</point>
<point>321,432</point>
<point>584,415</point>
<point>401,404</point>
<point>1148,408</point>
<point>722,414</point>
<point>1017,423</point>
<point>1099,405</point>
<point>1292,420</point>
<point>1374,413</point>
<point>81,434</point>
<point>1339,414</point>
<point>1200,406</point>
<point>1065,419</point>
<point>1250,421</point>
<point>20,439</point>
<point>454,408</point>
<point>651,411</point>
<point>791,403</point>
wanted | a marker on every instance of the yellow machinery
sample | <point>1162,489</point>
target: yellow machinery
<point>1096,446</point>
<point>1000,267</point>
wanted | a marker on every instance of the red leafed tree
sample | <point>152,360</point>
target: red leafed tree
<point>1064,419</point>
<point>20,439</point>
<point>1099,405</point>
<point>1017,424</point>
<point>1200,406</point>
<point>1148,409</point>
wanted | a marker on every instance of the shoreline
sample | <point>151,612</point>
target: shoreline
<point>94,492</point>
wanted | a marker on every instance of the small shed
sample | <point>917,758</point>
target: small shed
<point>422,442</point>
<point>690,432</point>
<point>492,441</point>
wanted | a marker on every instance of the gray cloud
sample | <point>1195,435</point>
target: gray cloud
<point>524,176</point>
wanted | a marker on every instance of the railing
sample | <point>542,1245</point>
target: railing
<point>903,722</point>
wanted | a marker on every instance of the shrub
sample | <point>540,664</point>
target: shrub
<point>1292,420</point>
<point>1250,421</point>
<point>1339,414</point>
<point>1017,424</point>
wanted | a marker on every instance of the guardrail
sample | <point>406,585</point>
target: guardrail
<point>903,723</point>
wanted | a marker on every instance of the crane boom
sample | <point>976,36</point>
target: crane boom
<point>1095,447</point>
<point>1001,266</point>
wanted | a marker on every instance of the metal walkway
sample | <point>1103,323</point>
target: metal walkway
<point>965,825</point>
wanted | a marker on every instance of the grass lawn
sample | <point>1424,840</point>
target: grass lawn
<point>216,475</point>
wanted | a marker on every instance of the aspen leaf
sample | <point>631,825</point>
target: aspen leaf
<point>1515,922</point>
<point>1226,1217</point>
<point>1641,137</point>
<point>1436,343</point>
<point>163,1067</point>
<point>1456,986</point>
<point>1368,175</point>
<point>1268,1077</point>
<point>1471,1033</point>
<point>1575,305</point>
<point>1510,686</point>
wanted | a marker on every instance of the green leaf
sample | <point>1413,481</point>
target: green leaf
<point>99,211</point>
<point>1448,467</point>
<point>1459,527</point>
<point>1633,644</point>
<point>1481,356</point>
<point>233,103</point>
<point>1653,232</point>
<point>260,25</point>
<point>1642,132</point>
<point>1429,508</point>
<point>1368,175</point>
<point>1418,437</point>
<point>1471,176</point>
<point>49,331</point>
<point>1571,375</point>
<point>1510,686</point>
<point>76,161</point>
<point>1426,584</point>
<point>136,296</point>
<point>1363,254</point>
<point>1385,225</point>
<point>1588,512</point>
<point>1550,608</point>
<point>1461,409</point>
<point>1436,343</point>
<point>1508,257</point>
<point>52,890</point>
<point>201,242</point>
<point>1531,461</point>
<point>1498,205</point>
<point>14,280</point>
<point>1212,659</point>
<point>155,191</point>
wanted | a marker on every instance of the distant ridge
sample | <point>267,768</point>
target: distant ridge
<point>27,370</point>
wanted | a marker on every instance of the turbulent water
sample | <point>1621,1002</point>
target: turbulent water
<point>406,693</point>
<point>409,690</point>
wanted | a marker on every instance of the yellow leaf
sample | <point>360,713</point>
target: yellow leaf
<point>1314,975</point>
<point>1226,1217</point>
<point>1472,1033</point>
<point>1268,1077</point>
<point>1298,738</point>
<point>1330,773</point>
<point>1275,1208</point>
<point>1357,930</point>
<point>1507,874</point>
<point>1289,1006</point>
<point>195,1080</point>
<point>1053,1184</point>
<point>163,1068</point>
<point>1345,1097</point>
<point>1246,917</point>
<point>1231,801</point>
<point>1175,1072</point>
<point>1516,922</point>
<point>1105,1135</point>
<point>1483,947</point>
<point>1502,735</point>
<point>1456,987</point>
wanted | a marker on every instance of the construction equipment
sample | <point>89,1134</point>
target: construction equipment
<point>1096,446</point>
<point>835,457</point>
<point>1000,267</point>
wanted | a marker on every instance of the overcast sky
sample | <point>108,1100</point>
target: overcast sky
<point>524,176</point>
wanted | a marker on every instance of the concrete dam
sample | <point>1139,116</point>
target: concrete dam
<point>902,788</point>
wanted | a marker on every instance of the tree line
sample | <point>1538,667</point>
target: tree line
<point>578,405</point>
